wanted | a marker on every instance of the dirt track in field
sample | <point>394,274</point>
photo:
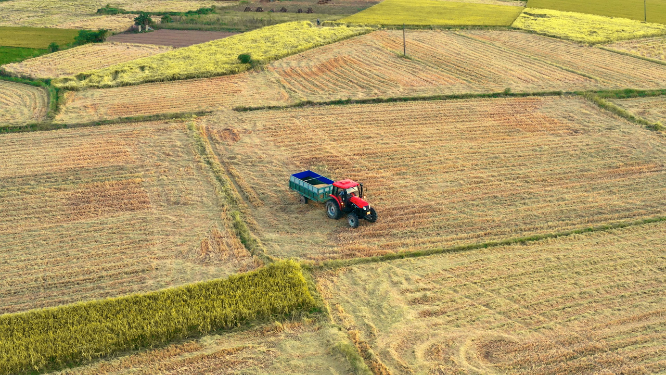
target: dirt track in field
<point>173,38</point>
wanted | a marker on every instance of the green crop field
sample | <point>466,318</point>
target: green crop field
<point>33,37</point>
<point>633,9</point>
<point>435,13</point>
<point>14,54</point>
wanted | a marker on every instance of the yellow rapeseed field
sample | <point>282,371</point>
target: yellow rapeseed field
<point>435,13</point>
<point>215,58</point>
<point>586,28</point>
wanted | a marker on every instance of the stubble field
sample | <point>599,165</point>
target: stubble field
<point>81,59</point>
<point>370,66</point>
<point>652,109</point>
<point>442,173</point>
<point>584,304</point>
<point>20,103</point>
<point>653,48</point>
<point>289,348</point>
<point>108,211</point>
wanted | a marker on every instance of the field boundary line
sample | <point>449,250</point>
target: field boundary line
<point>339,263</point>
<point>311,103</point>
<point>631,55</point>
<point>228,194</point>
<point>599,101</point>
<point>46,126</point>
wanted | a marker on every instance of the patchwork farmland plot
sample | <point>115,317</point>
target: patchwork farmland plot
<point>20,103</point>
<point>108,211</point>
<point>226,92</point>
<point>582,304</point>
<point>610,69</point>
<point>81,59</point>
<point>440,63</point>
<point>289,348</point>
<point>632,9</point>
<point>442,173</point>
<point>652,109</point>
<point>652,48</point>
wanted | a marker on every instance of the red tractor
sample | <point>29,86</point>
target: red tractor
<point>346,198</point>
<point>341,197</point>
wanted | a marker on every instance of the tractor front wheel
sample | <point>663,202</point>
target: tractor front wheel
<point>332,209</point>
<point>352,219</point>
<point>372,217</point>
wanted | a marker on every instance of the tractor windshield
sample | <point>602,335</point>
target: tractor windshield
<point>353,191</point>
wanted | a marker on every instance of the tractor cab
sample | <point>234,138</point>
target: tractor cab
<point>347,197</point>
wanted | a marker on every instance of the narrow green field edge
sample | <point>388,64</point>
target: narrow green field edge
<point>339,263</point>
<point>65,336</point>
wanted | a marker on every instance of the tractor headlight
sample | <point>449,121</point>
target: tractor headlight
<point>365,208</point>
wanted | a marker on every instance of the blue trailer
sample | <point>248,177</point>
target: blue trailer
<point>311,186</point>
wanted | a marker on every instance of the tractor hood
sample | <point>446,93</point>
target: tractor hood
<point>359,202</point>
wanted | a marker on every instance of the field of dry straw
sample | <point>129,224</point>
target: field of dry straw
<point>442,173</point>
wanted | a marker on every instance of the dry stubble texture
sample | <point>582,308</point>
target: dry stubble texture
<point>652,109</point>
<point>445,173</point>
<point>81,59</point>
<point>20,103</point>
<point>245,89</point>
<point>439,63</point>
<point>289,348</point>
<point>653,48</point>
<point>107,211</point>
<point>611,70</point>
<point>583,304</point>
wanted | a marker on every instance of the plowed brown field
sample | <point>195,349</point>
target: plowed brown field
<point>443,173</point>
<point>582,304</point>
<point>107,211</point>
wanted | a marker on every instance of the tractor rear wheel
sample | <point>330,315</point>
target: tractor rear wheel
<point>352,219</point>
<point>332,209</point>
<point>372,217</point>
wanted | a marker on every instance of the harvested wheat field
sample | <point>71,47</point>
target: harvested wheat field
<point>82,59</point>
<point>225,92</point>
<point>652,48</point>
<point>612,70</point>
<point>173,38</point>
<point>580,304</point>
<point>652,109</point>
<point>108,211</point>
<point>289,348</point>
<point>439,63</point>
<point>20,104</point>
<point>442,173</point>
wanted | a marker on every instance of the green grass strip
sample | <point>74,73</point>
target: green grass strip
<point>504,94</point>
<point>63,336</point>
<point>598,99</point>
<point>338,263</point>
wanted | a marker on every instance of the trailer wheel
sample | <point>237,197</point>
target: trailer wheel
<point>332,209</point>
<point>352,219</point>
<point>372,217</point>
<point>303,200</point>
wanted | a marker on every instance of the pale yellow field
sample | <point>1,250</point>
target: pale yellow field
<point>442,173</point>
<point>115,23</point>
<point>38,13</point>
<point>81,59</point>
<point>289,348</point>
<point>583,304</point>
<point>108,211</point>
<point>653,48</point>
<point>20,103</point>
<point>652,109</point>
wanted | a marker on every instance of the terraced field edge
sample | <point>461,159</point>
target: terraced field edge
<point>68,335</point>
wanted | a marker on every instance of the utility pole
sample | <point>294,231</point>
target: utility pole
<point>404,44</point>
<point>645,9</point>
